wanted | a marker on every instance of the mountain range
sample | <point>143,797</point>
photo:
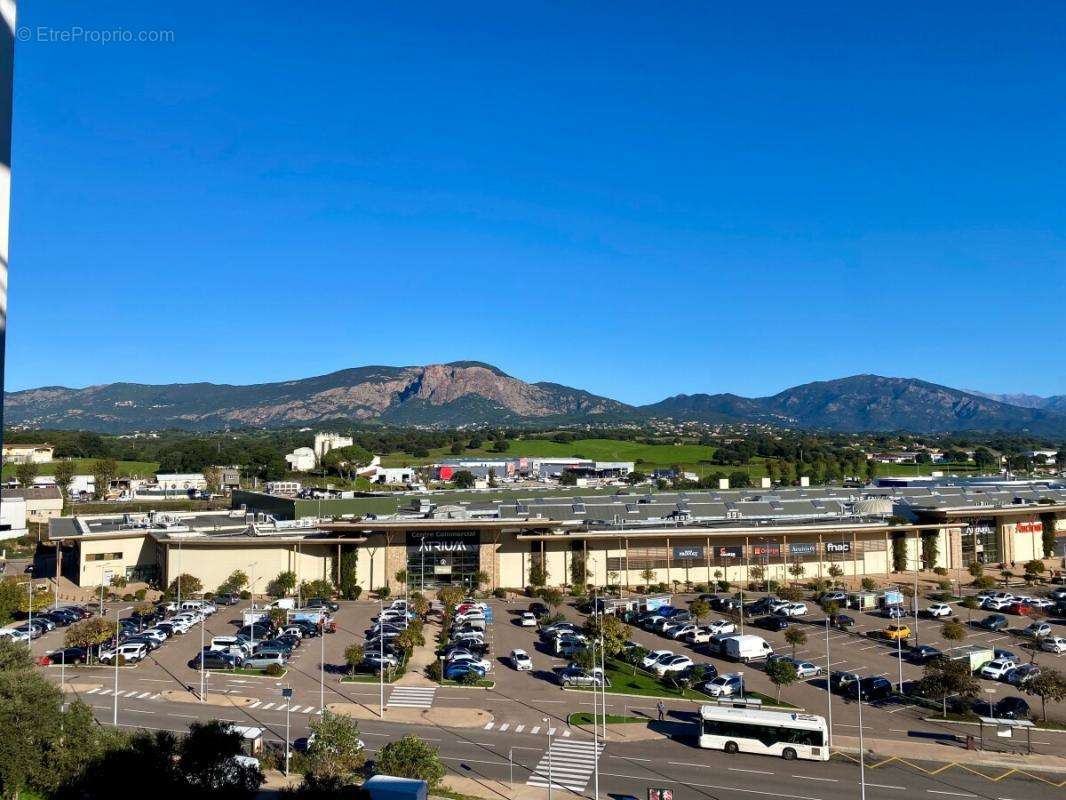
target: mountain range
<point>465,393</point>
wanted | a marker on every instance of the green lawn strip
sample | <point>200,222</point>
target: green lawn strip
<point>585,718</point>
<point>483,683</point>
<point>254,673</point>
<point>368,677</point>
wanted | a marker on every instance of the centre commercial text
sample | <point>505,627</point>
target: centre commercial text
<point>443,541</point>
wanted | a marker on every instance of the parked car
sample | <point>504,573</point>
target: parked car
<point>147,641</point>
<point>997,669</point>
<point>1037,630</point>
<point>1053,644</point>
<point>996,603</point>
<point>228,599</point>
<point>1021,674</point>
<point>727,685</point>
<point>655,657</point>
<point>791,610</point>
<point>575,676</point>
<point>528,620</point>
<point>68,655</point>
<point>1020,608</point>
<point>873,689</point>
<point>897,631</point>
<point>131,653</point>
<point>923,654</point>
<point>468,658</point>
<point>721,626</point>
<point>673,664</point>
<point>521,661</point>
<point>994,622</point>
<point>322,602</point>
<point>771,623</point>
<point>455,672</point>
<point>839,681</point>
<point>681,631</point>
<point>938,610</point>
<point>216,659</point>
<point>834,596</point>
<point>1011,708</point>
<point>843,621</point>
<point>264,660</point>
<point>894,612</point>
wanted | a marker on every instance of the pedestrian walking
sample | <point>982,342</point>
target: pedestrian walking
<point>662,711</point>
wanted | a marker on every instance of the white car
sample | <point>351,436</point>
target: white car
<point>673,664</point>
<point>776,605</point>
<point>521,661</point>
<point>156,632</point>
<point>791,610</point>
<point>939,610</point>
<point>14,635</point>
<point>654,657</point>
<point>681,631</point>
<point>722,626</point>
<point>805,669</point>
<point>701,635</point>
<point>156,636</point>
<point>997,670</point>
<point>1037,630</point>
<point>132,653</point>
<point>1041,602</point>
<point>528,620</point>
<point>1053,644</point>
<point>180,626</point>
<point>996,603</point>
<point>725,685</point>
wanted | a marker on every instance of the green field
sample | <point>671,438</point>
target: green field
<point>84,466</point>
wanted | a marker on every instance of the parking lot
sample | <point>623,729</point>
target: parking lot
<point>523,700</point>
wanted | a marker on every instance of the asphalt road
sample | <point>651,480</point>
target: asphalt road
<point>625,768</point>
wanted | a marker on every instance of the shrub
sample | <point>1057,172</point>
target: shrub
<point>984,582</point>
<point>140,594</point>
<point>127,598</point>
<point>355,592</point>
<point>433,671</point>
<point>245,594</point>
<point>384,592</point>
<point>275,670</point>
<point>468,679</point>
<point>940,571</point>
<point>499,593</point>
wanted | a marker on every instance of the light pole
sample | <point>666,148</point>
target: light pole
<point>548,731</point>
<point>899,656</point>
<point>828,688</point>
<point>322,667</point>
<point>286,693</point>
<point>116,657</point>
<point>203,617</point>
<point>595,720</point>
<point>862,760</point>
<point>381,661</point>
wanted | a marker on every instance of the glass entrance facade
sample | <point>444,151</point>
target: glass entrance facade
<point>442,558</point>
<point>980,542</point>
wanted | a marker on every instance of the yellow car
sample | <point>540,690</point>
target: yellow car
<point>897,632</point>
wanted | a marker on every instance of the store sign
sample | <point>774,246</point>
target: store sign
<point>766,550</point>
<point>803,548</point>
<point>1035,526</point>
<point>688,552</point>
<point>837,548</point>
<point>444,541</point>
<point>732,551</point>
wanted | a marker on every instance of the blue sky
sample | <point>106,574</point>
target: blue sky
<point>637,199</point>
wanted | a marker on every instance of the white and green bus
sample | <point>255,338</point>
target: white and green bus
<point>770,733</point>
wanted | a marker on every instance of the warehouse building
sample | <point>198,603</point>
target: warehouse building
<point>619,539</point>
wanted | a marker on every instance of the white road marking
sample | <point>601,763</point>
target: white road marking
<point>953,794</point>
<point>535,730</point>
<point>505,726</point>
<point>519,728</point>
<point>256,704</point>
<point>489,726</point>
<point>886,786</point>
<point>754,771</point>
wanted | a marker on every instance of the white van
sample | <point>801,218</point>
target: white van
<point>192,605</point>
<point>132,653</point>
<point>287,603</point>
<point>231,644</point>
<point>746,648</point>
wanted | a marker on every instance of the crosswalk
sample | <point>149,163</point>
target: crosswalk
<point>261,705</point>
<point>99,691</point>
<point>570,764</point>
<point>532,730</point>
<point>295,708</point>
<point>412,697</point>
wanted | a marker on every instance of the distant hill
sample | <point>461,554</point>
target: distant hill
<point>1056,403</point>
<point>472,393</point>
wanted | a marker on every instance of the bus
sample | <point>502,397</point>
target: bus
<point>772,733</point>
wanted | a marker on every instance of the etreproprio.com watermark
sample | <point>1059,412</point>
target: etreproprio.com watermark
<point>79,35</point>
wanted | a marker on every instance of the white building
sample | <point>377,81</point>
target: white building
<point>324,442</point>
<point>181,481</point>
<point>12,518</point>
<point>302,459</point>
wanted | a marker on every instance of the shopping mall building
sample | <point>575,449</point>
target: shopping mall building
<point>627,539</point>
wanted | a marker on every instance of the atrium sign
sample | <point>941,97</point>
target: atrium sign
<point>443,541</point>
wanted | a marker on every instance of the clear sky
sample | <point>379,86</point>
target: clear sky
<point>638,199</point>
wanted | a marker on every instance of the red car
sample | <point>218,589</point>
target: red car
<point>1020,608</point>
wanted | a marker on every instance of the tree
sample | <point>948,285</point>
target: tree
<point>64,474</point>
<point>930,548</point>
<point>943,678</point>
<point>420,605</point>
<point>976,569</point>
<point>1050,685</point>
<point>26,472</point>
<point>189,585</point>
<point>781,673</point>
<point>14,656</point>
<point>985,459</point>
<point>648,576</point>
<point>463,479</point>
<point>832,609</point>
<point>88,633</point>
<point>213,479</point>
<point>354,655</point>
<point>104,471</point>
<point>348,569</point>
<point>899,553</point>
<point>346,461</point>
<point>699,609</point>
<point>795,569</point>
<point>553,597</point>
<point>481,578</point>
<point>456,448</point>
<point>615,632</point>
<point>953,631</point>
<point>277,617</point>
<point>739,479</point>
<point>236,581</point>
<point>206,762</point>
<point>568,478</point>
<point>39,600</point>
<point>538,576</point>
<point>410,757</point>
<point>868,584</point>
<point>795,637</point>
<point>500,446</point>
<point>969,602</point>
<point>335,755</point>
<point>836,572</point>
<point>1033,568</point>
<point>756,572</point>
<point>283,584</point>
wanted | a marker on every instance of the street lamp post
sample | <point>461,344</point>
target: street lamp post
<point>899,657</point>
<point>548,731</point>
<point>322,668</point>
<point>381,661</point>
<point>828,693</point>
<point>203,617</point>
<point>115,715</point>
<point>862,759</point>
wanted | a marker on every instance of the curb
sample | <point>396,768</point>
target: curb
<point>943,721</point>
<point>992,762</point>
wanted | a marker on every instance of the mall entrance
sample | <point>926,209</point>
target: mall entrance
<point>442,558</point>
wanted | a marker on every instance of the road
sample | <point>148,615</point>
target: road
<point>625,768</point>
